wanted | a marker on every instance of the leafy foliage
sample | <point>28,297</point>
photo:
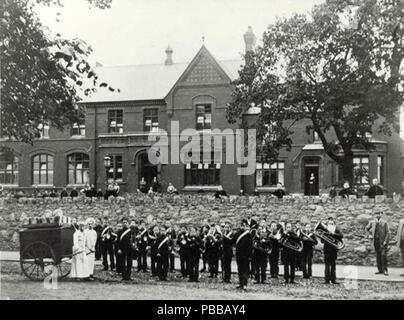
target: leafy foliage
<point>40,73</point>
<point>337,68</point>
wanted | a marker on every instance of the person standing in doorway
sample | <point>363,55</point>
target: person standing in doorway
<point>312,185</point>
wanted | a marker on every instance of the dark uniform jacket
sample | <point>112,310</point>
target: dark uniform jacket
<point>142,239</point>
<point>195,246</point>
<point>227,242</point>
<point>125,240</point>
<point>243,241</point>
<point>163,244</point>
<point>182,243</point>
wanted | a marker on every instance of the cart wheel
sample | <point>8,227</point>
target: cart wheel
<point>38,261</point>
<point>64,267</point>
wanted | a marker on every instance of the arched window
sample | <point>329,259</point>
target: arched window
<point>78,168</point>
<point>8,169</point>
<point>42,173</point>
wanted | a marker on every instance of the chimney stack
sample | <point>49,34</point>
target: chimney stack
<point>249,39</point>
<point>169,58</point>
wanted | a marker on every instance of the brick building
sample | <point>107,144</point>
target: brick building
<point>146,98</point>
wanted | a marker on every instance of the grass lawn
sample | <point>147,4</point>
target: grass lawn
<point>14,285</point>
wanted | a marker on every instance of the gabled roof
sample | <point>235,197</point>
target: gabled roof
<point>147,82</point>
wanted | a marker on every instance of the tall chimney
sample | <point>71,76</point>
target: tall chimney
<point>169,58</point>
<point>249,39</point>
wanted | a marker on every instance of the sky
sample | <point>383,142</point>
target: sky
<point>139,31</point>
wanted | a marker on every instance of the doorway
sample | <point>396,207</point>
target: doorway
<point>311,167</point>
<point>310,189</point>
<point>146,170</point>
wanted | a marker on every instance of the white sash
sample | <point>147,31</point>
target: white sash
<point>105,230</point>
<point>242,235</point>
<point>142,233</point>
<point>124,234</point>
<point>162,242</point>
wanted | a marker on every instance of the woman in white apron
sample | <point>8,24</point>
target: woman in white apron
<point>91,239</point>
<point>79,268</point>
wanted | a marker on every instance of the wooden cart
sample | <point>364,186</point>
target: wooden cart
<point>45,249</point>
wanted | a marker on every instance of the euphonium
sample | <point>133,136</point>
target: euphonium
<point>292,243</point>
<point>322,232</point>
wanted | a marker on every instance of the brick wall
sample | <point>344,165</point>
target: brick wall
<point>198,209</point>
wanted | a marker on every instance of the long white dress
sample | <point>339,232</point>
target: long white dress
<point>91,239</point>
<point>79,268</point>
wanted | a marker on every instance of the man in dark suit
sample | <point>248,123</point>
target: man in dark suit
<point>374,190</point>
<point>244,246</point>
<point>331,253</point>
<point>125,249</point>
<point>379,232</point>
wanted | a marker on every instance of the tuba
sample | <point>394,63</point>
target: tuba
<point>322,232</point>
<point>292,243</point>
<point>308,237</point>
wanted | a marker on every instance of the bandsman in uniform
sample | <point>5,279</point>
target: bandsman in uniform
<point>118,256</point>
<point>107,245</point>
<point>183,250</point>
<point>134,229</point>
<point>298,255</point>
<point>142,242</point>
<point>98,229</point>
<point>203,235</point>
<point>261,248</point>
<point>274,255</point>
<point>288,254</point>
<point>164,245</point>
<point>244,246</point>
<point>172,234</point>
<point>195,247</point>
<point>125,249</point>
<point>212,247</point>
<point>307,253</point>
<point>227,244</point>
<point>331,253</point>
<point>152,243</point>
